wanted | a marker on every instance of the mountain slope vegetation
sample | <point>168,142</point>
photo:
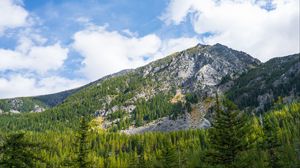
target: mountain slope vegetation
<point>187,148</point>
<point>197,70</point>
<point>145,96</point>
<point>149,116</point>
<point>276,80</point>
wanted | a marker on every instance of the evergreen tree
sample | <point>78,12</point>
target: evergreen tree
<point>170,158</point>
<point>272,142</point>
<point>18,152</point>
<point>142,161</point>
<point>133,161</point>
<point>82,158</point>
<point>227,135</point>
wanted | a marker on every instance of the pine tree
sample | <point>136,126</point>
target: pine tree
<point>133,161</point>
<point>227,135</point>
<point>272,142</point>
<point>17,152</point>
<point>170,158</point>
<point>83,144</point>
<point>142,161</point>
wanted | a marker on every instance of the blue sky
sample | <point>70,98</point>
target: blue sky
<point>53,45</point>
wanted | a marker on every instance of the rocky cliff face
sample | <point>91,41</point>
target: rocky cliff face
<point>197,70</point>
<point>160,96</point>
<point>200,68</point>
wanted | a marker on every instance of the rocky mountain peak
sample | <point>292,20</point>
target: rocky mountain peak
<point>199,67</point>
<point>144,99</point>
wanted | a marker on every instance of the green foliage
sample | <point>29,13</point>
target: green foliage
<point>24,104</point>
<point>52,100</point>
<point>272,143</point>
<point>282,131</point>
<point>182,149</point>
<point>157,107</point>
<point>65,115</point>
<point>191,98</point>
<point>225,79</point>
<point>266,79</point>
<point>227,135</point>
<point>17,152</point>
<point>81,159</point>
<point>170,158</point>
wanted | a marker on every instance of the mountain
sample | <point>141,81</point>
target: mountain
<point>276,80</point>
<point>165,90</point>
<point>173,93</point>
<point>21,104</point>
<point>43,102</point>
<point>52,100</point>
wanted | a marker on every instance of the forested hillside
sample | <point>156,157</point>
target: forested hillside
<point>127,99</point>
<point>150,116</point>
<point>149,84</point>
<point>176,90</point>
<point>276,80</point>
<point>272,140</point>
<point>20,105</point>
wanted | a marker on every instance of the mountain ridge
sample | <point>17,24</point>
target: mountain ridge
<point>171,93</point>
<point>51,100</point>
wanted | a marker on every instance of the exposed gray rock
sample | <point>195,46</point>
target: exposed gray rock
<point>129,108</point>
<point>165,124</point>
<point>14,111</point>
<point>199,69</point>
<point>38,109</point>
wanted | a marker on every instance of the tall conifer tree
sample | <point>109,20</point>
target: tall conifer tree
<point>272,142</point>
<point>17,151</point>
<point>170,158</point>
<point>82,158</point>
<point>227,135</point>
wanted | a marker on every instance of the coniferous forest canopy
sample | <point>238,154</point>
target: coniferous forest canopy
<point>235,139</point>
<point>149,84</point>
<point>71,133</point>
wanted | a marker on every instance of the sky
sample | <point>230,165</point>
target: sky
<point>48,46</point>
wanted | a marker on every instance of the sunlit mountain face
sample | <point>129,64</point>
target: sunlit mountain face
<point>167,83</point>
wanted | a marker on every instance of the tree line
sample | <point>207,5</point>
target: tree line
<point>235,139</point>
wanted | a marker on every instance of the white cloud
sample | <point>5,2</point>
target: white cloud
<point>18,85</point>
<point>33,58</point>
<point>243,25</point>
<point>170,46</point>
<point>106,52</point>
<point>12,15</point>
<point>26,70</point>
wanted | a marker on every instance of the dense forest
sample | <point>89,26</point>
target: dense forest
<point>67,135</point>
<point>236,139</point>
<point>282,81</point>
<point>149,84</point>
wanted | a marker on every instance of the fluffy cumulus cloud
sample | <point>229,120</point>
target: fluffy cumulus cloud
<point>12,15</point>
<point>107,52</point>
<point>27,68</point>
<point>39,59</point>
<point>169,46</point>
<point>19,86</point>
<point>264,29</point>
